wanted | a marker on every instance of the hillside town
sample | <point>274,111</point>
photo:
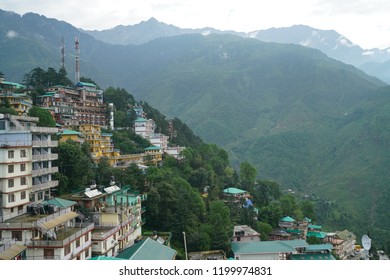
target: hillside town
<point>105,222</point>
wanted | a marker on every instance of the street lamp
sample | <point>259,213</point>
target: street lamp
<point>185,244</point>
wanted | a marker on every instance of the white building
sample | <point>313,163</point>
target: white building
<point>26,164</point>
<point>144,127</point>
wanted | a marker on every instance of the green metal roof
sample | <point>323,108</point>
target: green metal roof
<point>287,219</point>
<point>99,258</point>
<point>151,148</point>
<point>316,257</point>
<point>17,85</point>
<point>60,202</point>
<point>317,234</point>
<point>285,246</point>
<point>315,227</point>
<point>233,191</point>
<point>141,120</point>
<point>86,84</point>
<point>70,132</point>
<point>148,249</point>
<point>319,247</point>
<point>294,231</point>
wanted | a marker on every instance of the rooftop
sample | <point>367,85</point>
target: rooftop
<point>307,257</point>
<point>148,249</point>
<point>234,191</point>
<point>287,219</point>
<point>285,246</point>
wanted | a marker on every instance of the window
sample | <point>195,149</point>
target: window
<point>11,197</point>
<point>11,183</point>
<point>23,181</point>
<point>40,196</point>
<point>23,195</point>
<point>23,153</point>
<point>11,154</point>
<point>10,168</point>
<point>86,237</point>
<point>78,243</point>
<point>48,254</point>
<point>17,234</point>
<point>67,250</point>
<point>23,167</point>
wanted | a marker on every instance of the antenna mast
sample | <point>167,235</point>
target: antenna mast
<point>76,43</point>
<point>62,54</point>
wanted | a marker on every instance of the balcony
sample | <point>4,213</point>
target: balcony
<point>45,157</point>
<point>40,129</point>
<point>43,171</point>
<point>46,143</point>
<point>64,236</point>
<point>45,186</point>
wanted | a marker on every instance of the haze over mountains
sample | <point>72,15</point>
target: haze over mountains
<point>303,119</point>
<point>375,62</point>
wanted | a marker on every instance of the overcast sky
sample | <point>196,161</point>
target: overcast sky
<point>364,22</point>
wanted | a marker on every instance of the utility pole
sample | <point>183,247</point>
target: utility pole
<point>185,244</point>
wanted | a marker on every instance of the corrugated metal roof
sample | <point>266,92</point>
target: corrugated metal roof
<point>286,246</point>
<point>316,257</point>
<point>59,220</point>
<point>287,219</point>
<point>60,202</point>
<point>12,252</point>
<point>148,249</point>
<point>234,191</point>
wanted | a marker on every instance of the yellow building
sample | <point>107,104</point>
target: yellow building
<point>101,144</point>
<point>72,135</point>
<point>14,96</point>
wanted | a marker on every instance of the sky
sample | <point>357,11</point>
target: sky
<point>364,22</point>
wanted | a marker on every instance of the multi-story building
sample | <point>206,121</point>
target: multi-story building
<point>101,144</point>
<point>144,127</point>
<point>343,243</point>
<point>43,162</point>
<point>116,214</point>
<point>14,95</point>
<point>15,167</point>
<point>49,231</point>
<point>82,104</point>
<point>26,164</point>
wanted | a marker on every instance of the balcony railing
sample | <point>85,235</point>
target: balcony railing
<point>45,157</point>
<point>60,243</point>
<point>46,143</point>
<point>43,171</point>
<point>45,186</point>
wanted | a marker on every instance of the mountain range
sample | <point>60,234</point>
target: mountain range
<point>375,62</point>
<point>302,118</point>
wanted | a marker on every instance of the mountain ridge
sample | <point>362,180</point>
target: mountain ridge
<point>330,42</point>
<point>300,117</point>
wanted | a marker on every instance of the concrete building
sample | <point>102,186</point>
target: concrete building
<point>343,243</point>
<point>49,231</point>
<point>268,250</point>
<point>244,233</point>
<point>144,127</point>
<point>72,106</point>
<point>116,214</point>
<point>26,166</point>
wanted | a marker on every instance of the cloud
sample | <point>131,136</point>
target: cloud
<point>12,34</point>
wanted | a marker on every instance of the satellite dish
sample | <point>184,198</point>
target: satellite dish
<point>366,242</point>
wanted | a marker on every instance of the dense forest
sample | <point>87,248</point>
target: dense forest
<point>186,195</point>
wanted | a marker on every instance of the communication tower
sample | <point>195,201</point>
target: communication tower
<point>77,47</point>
